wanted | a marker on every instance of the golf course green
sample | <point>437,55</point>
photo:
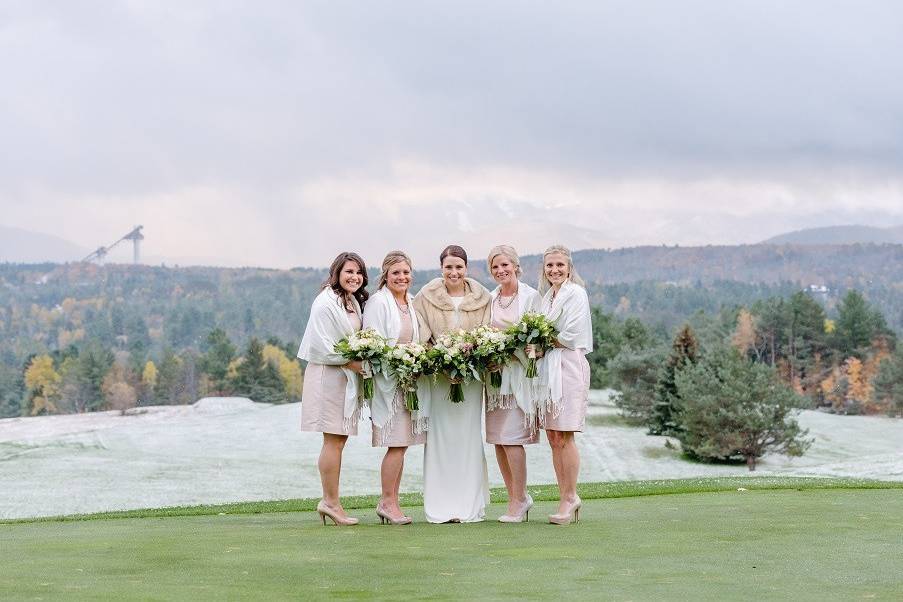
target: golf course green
<point>705,539</point>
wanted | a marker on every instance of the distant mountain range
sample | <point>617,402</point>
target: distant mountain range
<point>839,235</point>
<point>24,246</point>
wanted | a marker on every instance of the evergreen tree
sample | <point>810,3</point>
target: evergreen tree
<point>805,335</point>
<point>666,408</point>
<point>888,383</point>
<point>219,353</point>
<point>734,409</point>
<point>93,364</point>
<point>634,374</point>
<point>857,324</point>
<point>169,382</point>
<point>257,378</point>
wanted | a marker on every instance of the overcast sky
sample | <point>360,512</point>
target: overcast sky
<point>279,133</point>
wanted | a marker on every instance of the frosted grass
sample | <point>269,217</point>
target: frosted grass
<point>229,450</point>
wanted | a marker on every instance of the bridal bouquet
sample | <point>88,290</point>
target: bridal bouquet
<point>407,362</point>
<point>453,356</point>
<point>493,349</point>
<point>370,348</point>
<point>533,329</point>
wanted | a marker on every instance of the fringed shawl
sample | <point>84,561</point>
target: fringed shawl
<point>571,314</point>
<point>327,325</point>
<point>383,316</point>
<point>516,389</point>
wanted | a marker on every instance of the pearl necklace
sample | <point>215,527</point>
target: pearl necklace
<point>498,299</point>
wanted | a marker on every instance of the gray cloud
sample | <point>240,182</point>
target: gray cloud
<point>292,120</point>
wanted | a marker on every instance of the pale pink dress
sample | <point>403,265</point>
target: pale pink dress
<point>401,432</point>
<point>506,426</point>
<point>574,393</point>
<point>323,395</point>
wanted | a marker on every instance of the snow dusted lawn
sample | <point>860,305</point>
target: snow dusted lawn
<point>224,450</point>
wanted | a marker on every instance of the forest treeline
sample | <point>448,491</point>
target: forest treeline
<point>112,336</point>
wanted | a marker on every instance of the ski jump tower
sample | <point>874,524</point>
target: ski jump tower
<point>135,236</point>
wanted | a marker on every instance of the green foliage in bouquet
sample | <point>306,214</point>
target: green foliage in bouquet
<point>366,346</point>
<point>533,329</point>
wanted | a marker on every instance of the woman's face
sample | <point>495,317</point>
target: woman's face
<point>399,278</point>
<point>503,270</point>
<point>453,271</point>
<point>556,268</point>
<point>351,277</point>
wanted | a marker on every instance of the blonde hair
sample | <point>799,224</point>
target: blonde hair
<point>509,252</point>
<point>573,276</point>
<point>392,257</point>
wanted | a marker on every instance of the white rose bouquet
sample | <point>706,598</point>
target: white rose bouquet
<point>407,362</point>
<point>453,356</point>
<point>492,351</point>
<point>370,348</point>
<point>533,329</point>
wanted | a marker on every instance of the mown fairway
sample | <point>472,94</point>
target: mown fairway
<point>740,545</point>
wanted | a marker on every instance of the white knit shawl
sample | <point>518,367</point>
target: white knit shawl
<point>327,325</point>
<point>571,314</point>
<point>383,316</point>
<point>516,389</point>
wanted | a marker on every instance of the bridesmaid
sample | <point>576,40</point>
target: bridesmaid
<point>564,373</point>
<point>330,400</point>
<point>389,313</point>
<point>511,409</point>
<point>455,480</point>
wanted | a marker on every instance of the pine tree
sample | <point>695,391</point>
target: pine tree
<point>888,383</point>
<point>684,352</point>
<point>735,409</point>
<point>218,355</point>
<point>857,324</point>
<point>257,378</point>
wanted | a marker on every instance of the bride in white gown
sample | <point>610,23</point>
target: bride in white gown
<point>455,480</point>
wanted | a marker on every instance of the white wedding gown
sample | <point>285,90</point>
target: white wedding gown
<point>455,480</point>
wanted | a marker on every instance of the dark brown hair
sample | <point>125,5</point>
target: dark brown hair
<point>335,269</point>
<point>454,251</point>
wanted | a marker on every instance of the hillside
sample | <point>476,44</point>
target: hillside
<point>140,314</point>
<point>839,235</point>
<point>23,246</point>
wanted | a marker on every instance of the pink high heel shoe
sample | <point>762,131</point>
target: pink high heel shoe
<point>385,517</point>
<point>520,517</point>
<point>566,517</point>
<point>325,511</point>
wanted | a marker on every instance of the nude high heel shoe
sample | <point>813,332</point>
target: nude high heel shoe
<point>325,511</point>
<point>522,516</point>
<point>565,518</point>
<point>385,517</point>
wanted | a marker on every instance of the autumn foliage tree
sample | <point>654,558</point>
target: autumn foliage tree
<point>42,382</point>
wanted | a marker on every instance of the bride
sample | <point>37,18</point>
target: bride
<point>455,480</point>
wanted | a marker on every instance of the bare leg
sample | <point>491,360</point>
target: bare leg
<point>566,460</point>
<point>502,459</point>
<point>392,466</point>
<point>516,481</point>
<point>330,466</point>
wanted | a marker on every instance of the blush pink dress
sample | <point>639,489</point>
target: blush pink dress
<point>506,426</point>
<point>574,393</point>
<point>401,431</point>
<point>323,395</point>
